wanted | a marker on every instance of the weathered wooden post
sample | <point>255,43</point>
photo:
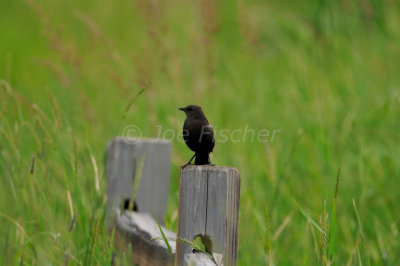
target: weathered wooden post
<point>124,159</point>
<point>124,155</point>
<point>209,208</point>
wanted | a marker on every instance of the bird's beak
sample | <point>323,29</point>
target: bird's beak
<point>182,109</point>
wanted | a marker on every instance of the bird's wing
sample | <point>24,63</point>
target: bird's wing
<point>209,136</point>
<point>200,135</point>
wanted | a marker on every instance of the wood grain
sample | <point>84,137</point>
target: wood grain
<point>209,207</point>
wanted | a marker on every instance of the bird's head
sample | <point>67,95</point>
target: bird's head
<point>193,111</point>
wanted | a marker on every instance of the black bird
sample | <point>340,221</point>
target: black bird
<point>198,134</point>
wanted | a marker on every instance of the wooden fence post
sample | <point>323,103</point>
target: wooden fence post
<point>209,208</point>
<point>126,154</point>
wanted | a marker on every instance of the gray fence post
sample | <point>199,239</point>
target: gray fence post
<point>209,208</point>
<point>152,193</point>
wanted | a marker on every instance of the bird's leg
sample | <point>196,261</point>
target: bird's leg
<point>189,161</point>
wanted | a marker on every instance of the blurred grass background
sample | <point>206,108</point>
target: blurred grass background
<point>325,73</point>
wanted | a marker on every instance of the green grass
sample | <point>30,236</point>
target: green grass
<point>324,74</point>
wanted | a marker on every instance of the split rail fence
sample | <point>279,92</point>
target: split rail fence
<point>208,206</point>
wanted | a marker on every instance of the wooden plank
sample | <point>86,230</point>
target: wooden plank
<point>215,191</point>
<point>152,193</point>
<point>140,230</point>
<point>148,247</point>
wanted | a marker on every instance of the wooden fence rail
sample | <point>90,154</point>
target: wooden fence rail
<point>208,206</point>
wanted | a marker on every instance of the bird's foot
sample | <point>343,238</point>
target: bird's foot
<point>208,164</point>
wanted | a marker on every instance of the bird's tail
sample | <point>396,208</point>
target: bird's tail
<point>202,158</point>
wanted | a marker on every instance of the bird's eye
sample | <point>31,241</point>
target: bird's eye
<point>189,109</point>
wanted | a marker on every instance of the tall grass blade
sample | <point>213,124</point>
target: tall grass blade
<point>137,176</point>
<point>332,227</point>
<point>360,251</point>
<point>96,173</point>
<point>128,107</point>
<point>309,218</point>
<point>163,235</point>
